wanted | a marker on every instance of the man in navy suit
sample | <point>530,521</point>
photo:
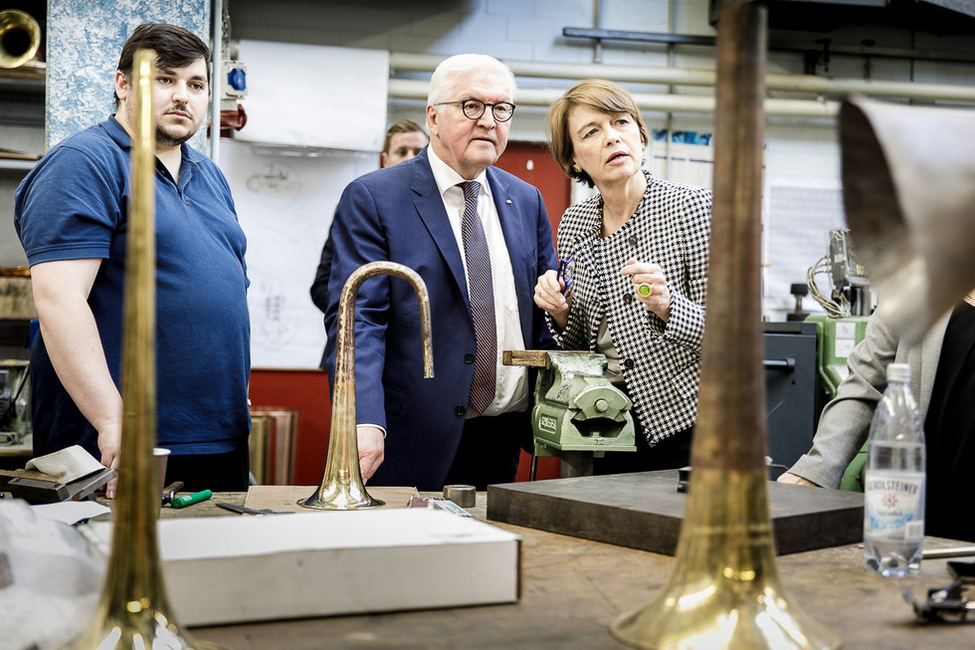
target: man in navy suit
<point>479,249</point>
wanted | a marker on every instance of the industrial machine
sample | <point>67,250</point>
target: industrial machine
<point>790,365</point>
<point>843,326</point>
<point>16,313</point>
<point>847,311</point>
<point>578,413</point>
<point>14,401</point>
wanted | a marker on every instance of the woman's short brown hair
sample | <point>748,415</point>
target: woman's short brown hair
<point>604,96</point>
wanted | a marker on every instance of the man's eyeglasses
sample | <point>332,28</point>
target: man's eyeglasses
<point>474,109</point>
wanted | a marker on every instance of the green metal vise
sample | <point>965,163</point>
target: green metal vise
<point>578,413</point>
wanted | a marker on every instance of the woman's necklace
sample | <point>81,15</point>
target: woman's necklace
<point>970,300</point>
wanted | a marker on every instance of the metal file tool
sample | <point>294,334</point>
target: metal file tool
<point>244,510</point>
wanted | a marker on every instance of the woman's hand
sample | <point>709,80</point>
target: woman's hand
<point>650,286</point>
<point>549,297</point>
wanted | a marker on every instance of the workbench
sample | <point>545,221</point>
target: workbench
<point>572,589</point>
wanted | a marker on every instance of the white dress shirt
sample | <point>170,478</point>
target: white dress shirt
<point>511,391</point>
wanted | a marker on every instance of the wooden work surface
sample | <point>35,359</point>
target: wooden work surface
<point>572,589</point>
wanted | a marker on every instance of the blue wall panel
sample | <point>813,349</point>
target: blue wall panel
<point>84,40</point>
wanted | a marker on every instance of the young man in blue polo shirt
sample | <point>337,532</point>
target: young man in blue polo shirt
<point>71,214</point>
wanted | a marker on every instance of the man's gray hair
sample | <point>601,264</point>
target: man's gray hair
<point>442,81</point>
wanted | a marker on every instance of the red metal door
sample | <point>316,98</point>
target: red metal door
<point>532,162</point>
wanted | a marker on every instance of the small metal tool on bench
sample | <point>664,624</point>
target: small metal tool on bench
<point>948,603</point>
<point>244,510</point>
<point>32,487</point>
<point>170,491</point>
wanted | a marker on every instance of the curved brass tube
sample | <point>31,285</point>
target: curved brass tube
<point>133,611</point>
<point>20,37</point>
<point>725,592</point>
<point>341,487</point>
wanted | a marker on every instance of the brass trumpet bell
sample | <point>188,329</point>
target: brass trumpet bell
<point>909,191</point>
<point>134,611</point>
<point>341,487</point>
<point>725,592</point>
<point>20,37</point>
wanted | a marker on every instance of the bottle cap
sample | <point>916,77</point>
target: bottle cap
<point>898,372</point>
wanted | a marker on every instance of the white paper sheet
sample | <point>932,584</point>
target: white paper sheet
<point>71,512</point>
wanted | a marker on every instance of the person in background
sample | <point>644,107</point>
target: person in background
<point>943,383</point>
<point>70,215</point>
<point>404,140</point>
<point>633,277</point>
<point>478,237</point>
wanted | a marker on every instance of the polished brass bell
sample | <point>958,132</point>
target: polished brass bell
<point>341,487</point>
<point>725,590</point>
<point>20,38</point>
<point>909,194</point>
<point>134,610</point>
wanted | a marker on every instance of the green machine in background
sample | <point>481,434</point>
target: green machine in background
<point>839,331</point>
<point>578,413</point>
<point>835,339</point>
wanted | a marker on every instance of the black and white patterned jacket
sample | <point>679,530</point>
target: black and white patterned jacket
<point>660,361</point>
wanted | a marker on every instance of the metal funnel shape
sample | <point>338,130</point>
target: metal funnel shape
<point>909,191</point>
<point>725,592</point>
<point>134,611</point>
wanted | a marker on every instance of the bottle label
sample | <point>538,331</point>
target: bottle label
<point>893,503</point>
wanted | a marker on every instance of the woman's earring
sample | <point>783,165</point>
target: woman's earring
<point>577,169</point>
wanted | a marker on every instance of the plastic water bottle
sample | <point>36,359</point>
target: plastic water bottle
<point>893,513</point>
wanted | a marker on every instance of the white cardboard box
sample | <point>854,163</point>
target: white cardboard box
<point>243,568</point>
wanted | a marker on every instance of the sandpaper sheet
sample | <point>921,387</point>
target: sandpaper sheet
<point>645,511</point>
<point>284,498</point>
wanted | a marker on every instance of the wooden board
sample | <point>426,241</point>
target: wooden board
<point>645,511</point>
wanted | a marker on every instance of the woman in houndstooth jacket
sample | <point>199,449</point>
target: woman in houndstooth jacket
<point>633,276</point>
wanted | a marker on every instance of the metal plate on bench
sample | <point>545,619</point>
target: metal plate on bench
<point>645,511</point>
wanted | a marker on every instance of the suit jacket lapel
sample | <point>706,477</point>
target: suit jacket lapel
<point>929,352</point>
<point>429,205</point>
<point>518,241</point>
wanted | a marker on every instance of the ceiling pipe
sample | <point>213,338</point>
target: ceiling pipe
<point>697,77</point>
<point>414,89</point>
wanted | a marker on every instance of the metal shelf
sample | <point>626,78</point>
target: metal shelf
<point>22,94</point>
<point>32,76</point>
<point>7,164</point>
